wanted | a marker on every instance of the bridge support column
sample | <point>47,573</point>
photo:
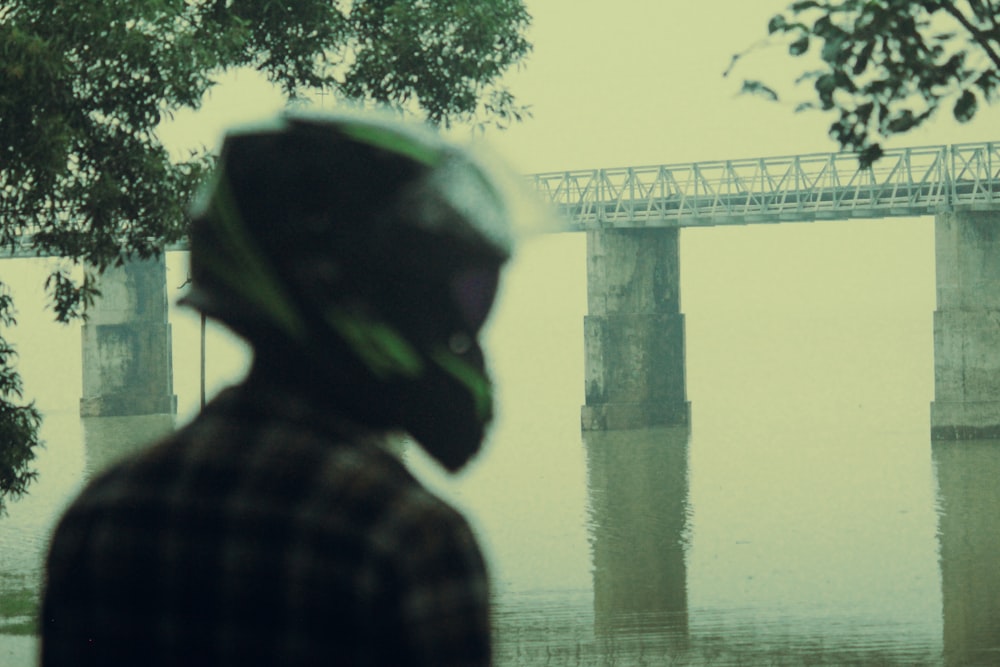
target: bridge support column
<point>634,332</point>
<point>126,344</point>
<point>967,326</point>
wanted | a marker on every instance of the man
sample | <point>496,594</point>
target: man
<point>360,260</point>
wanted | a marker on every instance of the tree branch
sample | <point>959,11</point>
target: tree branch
<point>985,11</point>
<point>992,13</point>
<point>976,33</point>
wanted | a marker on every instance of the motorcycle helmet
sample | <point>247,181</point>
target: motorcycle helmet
<point>372,249</point>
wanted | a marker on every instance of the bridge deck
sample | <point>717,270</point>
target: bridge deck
<point>823,186</point>
<point>905,182</point>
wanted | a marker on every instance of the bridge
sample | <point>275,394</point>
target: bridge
<point>634,330</point>
<point>906,182</point>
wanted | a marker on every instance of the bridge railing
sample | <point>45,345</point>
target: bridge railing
<point>975,172</point>
<point>907,181</point>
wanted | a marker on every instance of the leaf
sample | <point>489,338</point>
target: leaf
<point>869,155</point>
<point>810,74</point>
<point>903,121</point>
<point>759,89</point>
<point>799,46</point>
<point>966,106</point>
<point>987,82</point>
<point>861,62</point>
<point>833,51</point>
<point>825,85</point>
<point>823,26</point>
<point>864,111</point>
<point>776,24</point>
<point>803,5</point>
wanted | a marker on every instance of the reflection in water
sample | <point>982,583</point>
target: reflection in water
<point>638,510</point>
<point>813,541</point>
<point>109,439</point>
<point>69,459</point>
<point>968,477</point>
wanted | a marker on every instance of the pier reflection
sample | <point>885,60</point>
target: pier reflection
<point>109,439</point>
<point>968,487</point>
<point>638,527</point>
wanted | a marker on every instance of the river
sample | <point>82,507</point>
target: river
<point>804,518</point>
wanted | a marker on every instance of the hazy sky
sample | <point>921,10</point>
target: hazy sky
<point>640,82</point>
<point>628,83</point>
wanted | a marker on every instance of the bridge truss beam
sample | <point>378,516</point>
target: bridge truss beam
<point>799,188</point>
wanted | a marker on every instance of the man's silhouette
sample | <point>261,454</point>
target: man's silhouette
<point>360,259</point>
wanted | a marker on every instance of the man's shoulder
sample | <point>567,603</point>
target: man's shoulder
<point>222,457</point>
<point>212,449</point>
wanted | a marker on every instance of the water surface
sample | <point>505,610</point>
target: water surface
<point>804,518</point>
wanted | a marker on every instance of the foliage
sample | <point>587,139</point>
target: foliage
<point>886,66</point>
<point>84,86</point>
<point>18,423</point>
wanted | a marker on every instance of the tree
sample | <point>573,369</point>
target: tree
<point>887,66</point>
<point>84,85</point>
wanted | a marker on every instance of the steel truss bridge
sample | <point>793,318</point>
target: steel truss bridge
<point>905,182</point>
<point>822,186</point>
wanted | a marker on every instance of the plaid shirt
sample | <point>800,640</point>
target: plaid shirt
<point>264,533</point>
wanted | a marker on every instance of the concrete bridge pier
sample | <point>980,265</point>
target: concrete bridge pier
<point>634,332</point>
<point>967,326</point>
<point>126,344</point>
